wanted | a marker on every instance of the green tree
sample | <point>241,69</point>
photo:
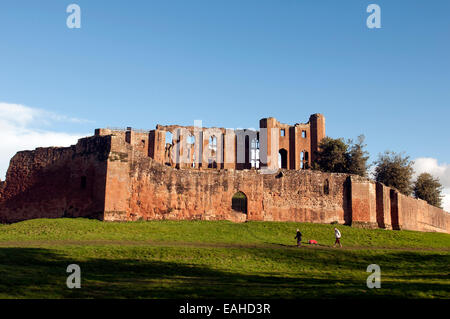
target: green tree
<point>337,156</point>
<point>357,157</point>
<point>394,170</point>
<point>332,156</point>
<point>429,189</point>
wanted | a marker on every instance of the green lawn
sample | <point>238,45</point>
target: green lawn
<point>200,259</point>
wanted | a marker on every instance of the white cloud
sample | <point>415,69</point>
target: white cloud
<point>23,128</point>
<point>441,171</point>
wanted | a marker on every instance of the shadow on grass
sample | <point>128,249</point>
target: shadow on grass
<point>41,273</point>
<point>304,244</point>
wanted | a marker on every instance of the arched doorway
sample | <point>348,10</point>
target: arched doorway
<point>239,202</point>
<point>282,158</point>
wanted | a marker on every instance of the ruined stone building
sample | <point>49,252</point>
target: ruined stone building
<point>175,172</point>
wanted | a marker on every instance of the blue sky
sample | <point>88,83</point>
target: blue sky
<point>230,63</point>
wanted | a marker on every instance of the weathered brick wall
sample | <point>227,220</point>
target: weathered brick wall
<point>138,187</point>
<point>306,196</point>
<point>2,186</point>
<point>160,192</point>
<point>375,205</point>
<point>432,219</point>
<point>363,202</point>
<point>409,210</point>
<point>383,206</point>
<point>117,190</point>
<point>110,176</point>
<point>56,182</point>
<point>396,208</point>
<point>447,222</point>
<point>416,214</point>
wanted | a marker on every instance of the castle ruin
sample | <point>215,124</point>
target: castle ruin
<point>190,172</point>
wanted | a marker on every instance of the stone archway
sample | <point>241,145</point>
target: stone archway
<point>239,202</point>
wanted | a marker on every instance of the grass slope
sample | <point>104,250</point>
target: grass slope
<point>190,259</point>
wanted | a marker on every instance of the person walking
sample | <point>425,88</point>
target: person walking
<point>299,238</point>
<point>337,234</point>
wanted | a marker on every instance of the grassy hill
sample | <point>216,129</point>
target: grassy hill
<point>190,259</point>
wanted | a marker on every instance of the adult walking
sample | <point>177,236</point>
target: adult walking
<point>337,234</point>
<point>299,238</point>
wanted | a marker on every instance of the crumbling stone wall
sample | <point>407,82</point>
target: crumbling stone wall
<point>306,196</point>
<point>363,202</point>
<point>416,214</point>
<point>383,206</point>
<point>231,149</point>
<point>376,205</point>
<point>160,192</point>
<point>111,176</point>
<point>137,187</point>
<point>56,182</point>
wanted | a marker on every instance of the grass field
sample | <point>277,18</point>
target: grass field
<point>200,259</point>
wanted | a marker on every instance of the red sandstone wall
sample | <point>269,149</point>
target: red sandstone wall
<point>163,193</point>
<point>410,208</point>
<point>417,215</point>
<point>47,182</point>
<point>155,191</point>
<point>292,142</point>
<point>301,196</point>
<point>383,206</point>
<point>375,205</point>
<point>317,122</point>
<point>363,202</point>
<point>431,218</point>
<point>139,188</point>
<point>123,183</point>
<point>118,190</point>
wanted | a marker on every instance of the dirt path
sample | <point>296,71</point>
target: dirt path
<point>55,243</point>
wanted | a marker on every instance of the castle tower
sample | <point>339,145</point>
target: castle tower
<point>317,122</point>
<point>268,136</point>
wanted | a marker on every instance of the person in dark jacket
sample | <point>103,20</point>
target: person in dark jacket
<point>299,238</point>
